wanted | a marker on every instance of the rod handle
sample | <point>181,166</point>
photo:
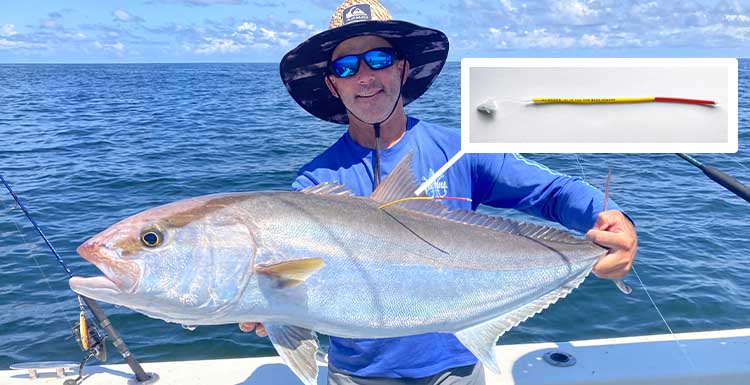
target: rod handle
<point>729,182</point>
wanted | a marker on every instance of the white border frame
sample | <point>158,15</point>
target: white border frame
<point>730,146</point>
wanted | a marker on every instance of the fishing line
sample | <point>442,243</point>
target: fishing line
<point>674,336</point>
<point>580,166</point>
<point>81,332</point>
<point>406,199</point>
<point>741,165</point>
<point>57,303</point>
<point>424,198</point>
<point>621,285</point>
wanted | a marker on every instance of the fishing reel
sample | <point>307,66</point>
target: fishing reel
<point>91,341</point>
<point>94,341</point>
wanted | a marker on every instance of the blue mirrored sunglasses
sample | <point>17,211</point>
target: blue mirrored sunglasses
<point>376,59</point>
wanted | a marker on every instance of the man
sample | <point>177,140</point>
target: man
<point>362,72</point>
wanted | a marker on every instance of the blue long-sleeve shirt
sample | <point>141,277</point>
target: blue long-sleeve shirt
<point>499,180</point>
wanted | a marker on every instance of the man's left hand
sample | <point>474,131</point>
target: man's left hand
<point>614,231</point>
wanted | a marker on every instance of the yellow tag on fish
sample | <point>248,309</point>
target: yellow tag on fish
<point>84,330</point>
<point>292,273</point>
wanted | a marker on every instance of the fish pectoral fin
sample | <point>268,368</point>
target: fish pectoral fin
<point>297,347</point>
<point>291,273</point>
<point>480,339</point>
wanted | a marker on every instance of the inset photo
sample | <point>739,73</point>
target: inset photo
<point>599,105</point>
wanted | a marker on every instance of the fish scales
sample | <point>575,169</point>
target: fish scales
<point>324,261</point>
<point>391,282</point>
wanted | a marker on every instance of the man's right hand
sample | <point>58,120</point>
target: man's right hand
<point>247,327</point>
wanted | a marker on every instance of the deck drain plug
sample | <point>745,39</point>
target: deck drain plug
<point>559,358</point>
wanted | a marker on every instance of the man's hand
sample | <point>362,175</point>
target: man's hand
<point>614,231</point>
<point>247,327</point>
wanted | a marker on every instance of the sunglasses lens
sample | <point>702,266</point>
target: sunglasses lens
<point>346,66</point>
<point>379,58</point>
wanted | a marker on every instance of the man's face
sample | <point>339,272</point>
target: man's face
<point>369,94</point>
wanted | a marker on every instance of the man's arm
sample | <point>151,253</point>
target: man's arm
<point>512,181</point>
<point>302,182</point>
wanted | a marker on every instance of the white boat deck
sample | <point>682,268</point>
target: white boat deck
<point>718,357</point>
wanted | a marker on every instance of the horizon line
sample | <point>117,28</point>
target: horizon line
<point>253,62</point>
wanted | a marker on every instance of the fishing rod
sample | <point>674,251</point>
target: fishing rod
<point>140,375</point>
<point>718,176</point>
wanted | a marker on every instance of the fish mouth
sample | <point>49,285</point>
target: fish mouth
<point>120,276</point>
<point>83,285</point>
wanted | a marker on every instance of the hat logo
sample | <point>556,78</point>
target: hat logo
<point>359,12</point>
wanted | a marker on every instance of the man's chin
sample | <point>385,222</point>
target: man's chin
<point>372,115</point>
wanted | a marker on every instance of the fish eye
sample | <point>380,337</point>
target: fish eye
<point>151,237</point>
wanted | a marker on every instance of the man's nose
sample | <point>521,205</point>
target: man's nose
<point>365,73</point>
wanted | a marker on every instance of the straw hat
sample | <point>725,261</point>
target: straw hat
<point>303,69</point>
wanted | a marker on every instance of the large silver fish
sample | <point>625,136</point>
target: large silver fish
<point>324,260</point>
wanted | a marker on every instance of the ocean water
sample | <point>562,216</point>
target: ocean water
<point>87,145</point>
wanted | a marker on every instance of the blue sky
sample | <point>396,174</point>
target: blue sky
<point>263,30</point>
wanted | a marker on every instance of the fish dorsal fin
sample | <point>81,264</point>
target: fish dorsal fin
<point>529,230</point>
<point>328,188</point>
<point>291,273</point>
<point>481,339</point>
<point>400,183</point>
<point>297,347</point>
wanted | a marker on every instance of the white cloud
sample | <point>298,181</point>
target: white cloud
<point>538,38</point>
<point>738,18</point>
<point>606,24</point>
<point>74,35</point>
<point>268,34</point>
<point>247,26</point>
<point>203,3</point>
<point>575,11</point>
<point>250,35</point>
<point>641,8</point>
<point>507,5</point>
<point>8,44</point>
<point>8,30</point>
<point>118,46</point>
<point>592,41</point>
<point>299,23</point>
<point>471,5</point>
<point>48,23</point>
<point>121,15</point>
<point>726,33</point>
<point>219,46</point>
<point>622,39</point>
